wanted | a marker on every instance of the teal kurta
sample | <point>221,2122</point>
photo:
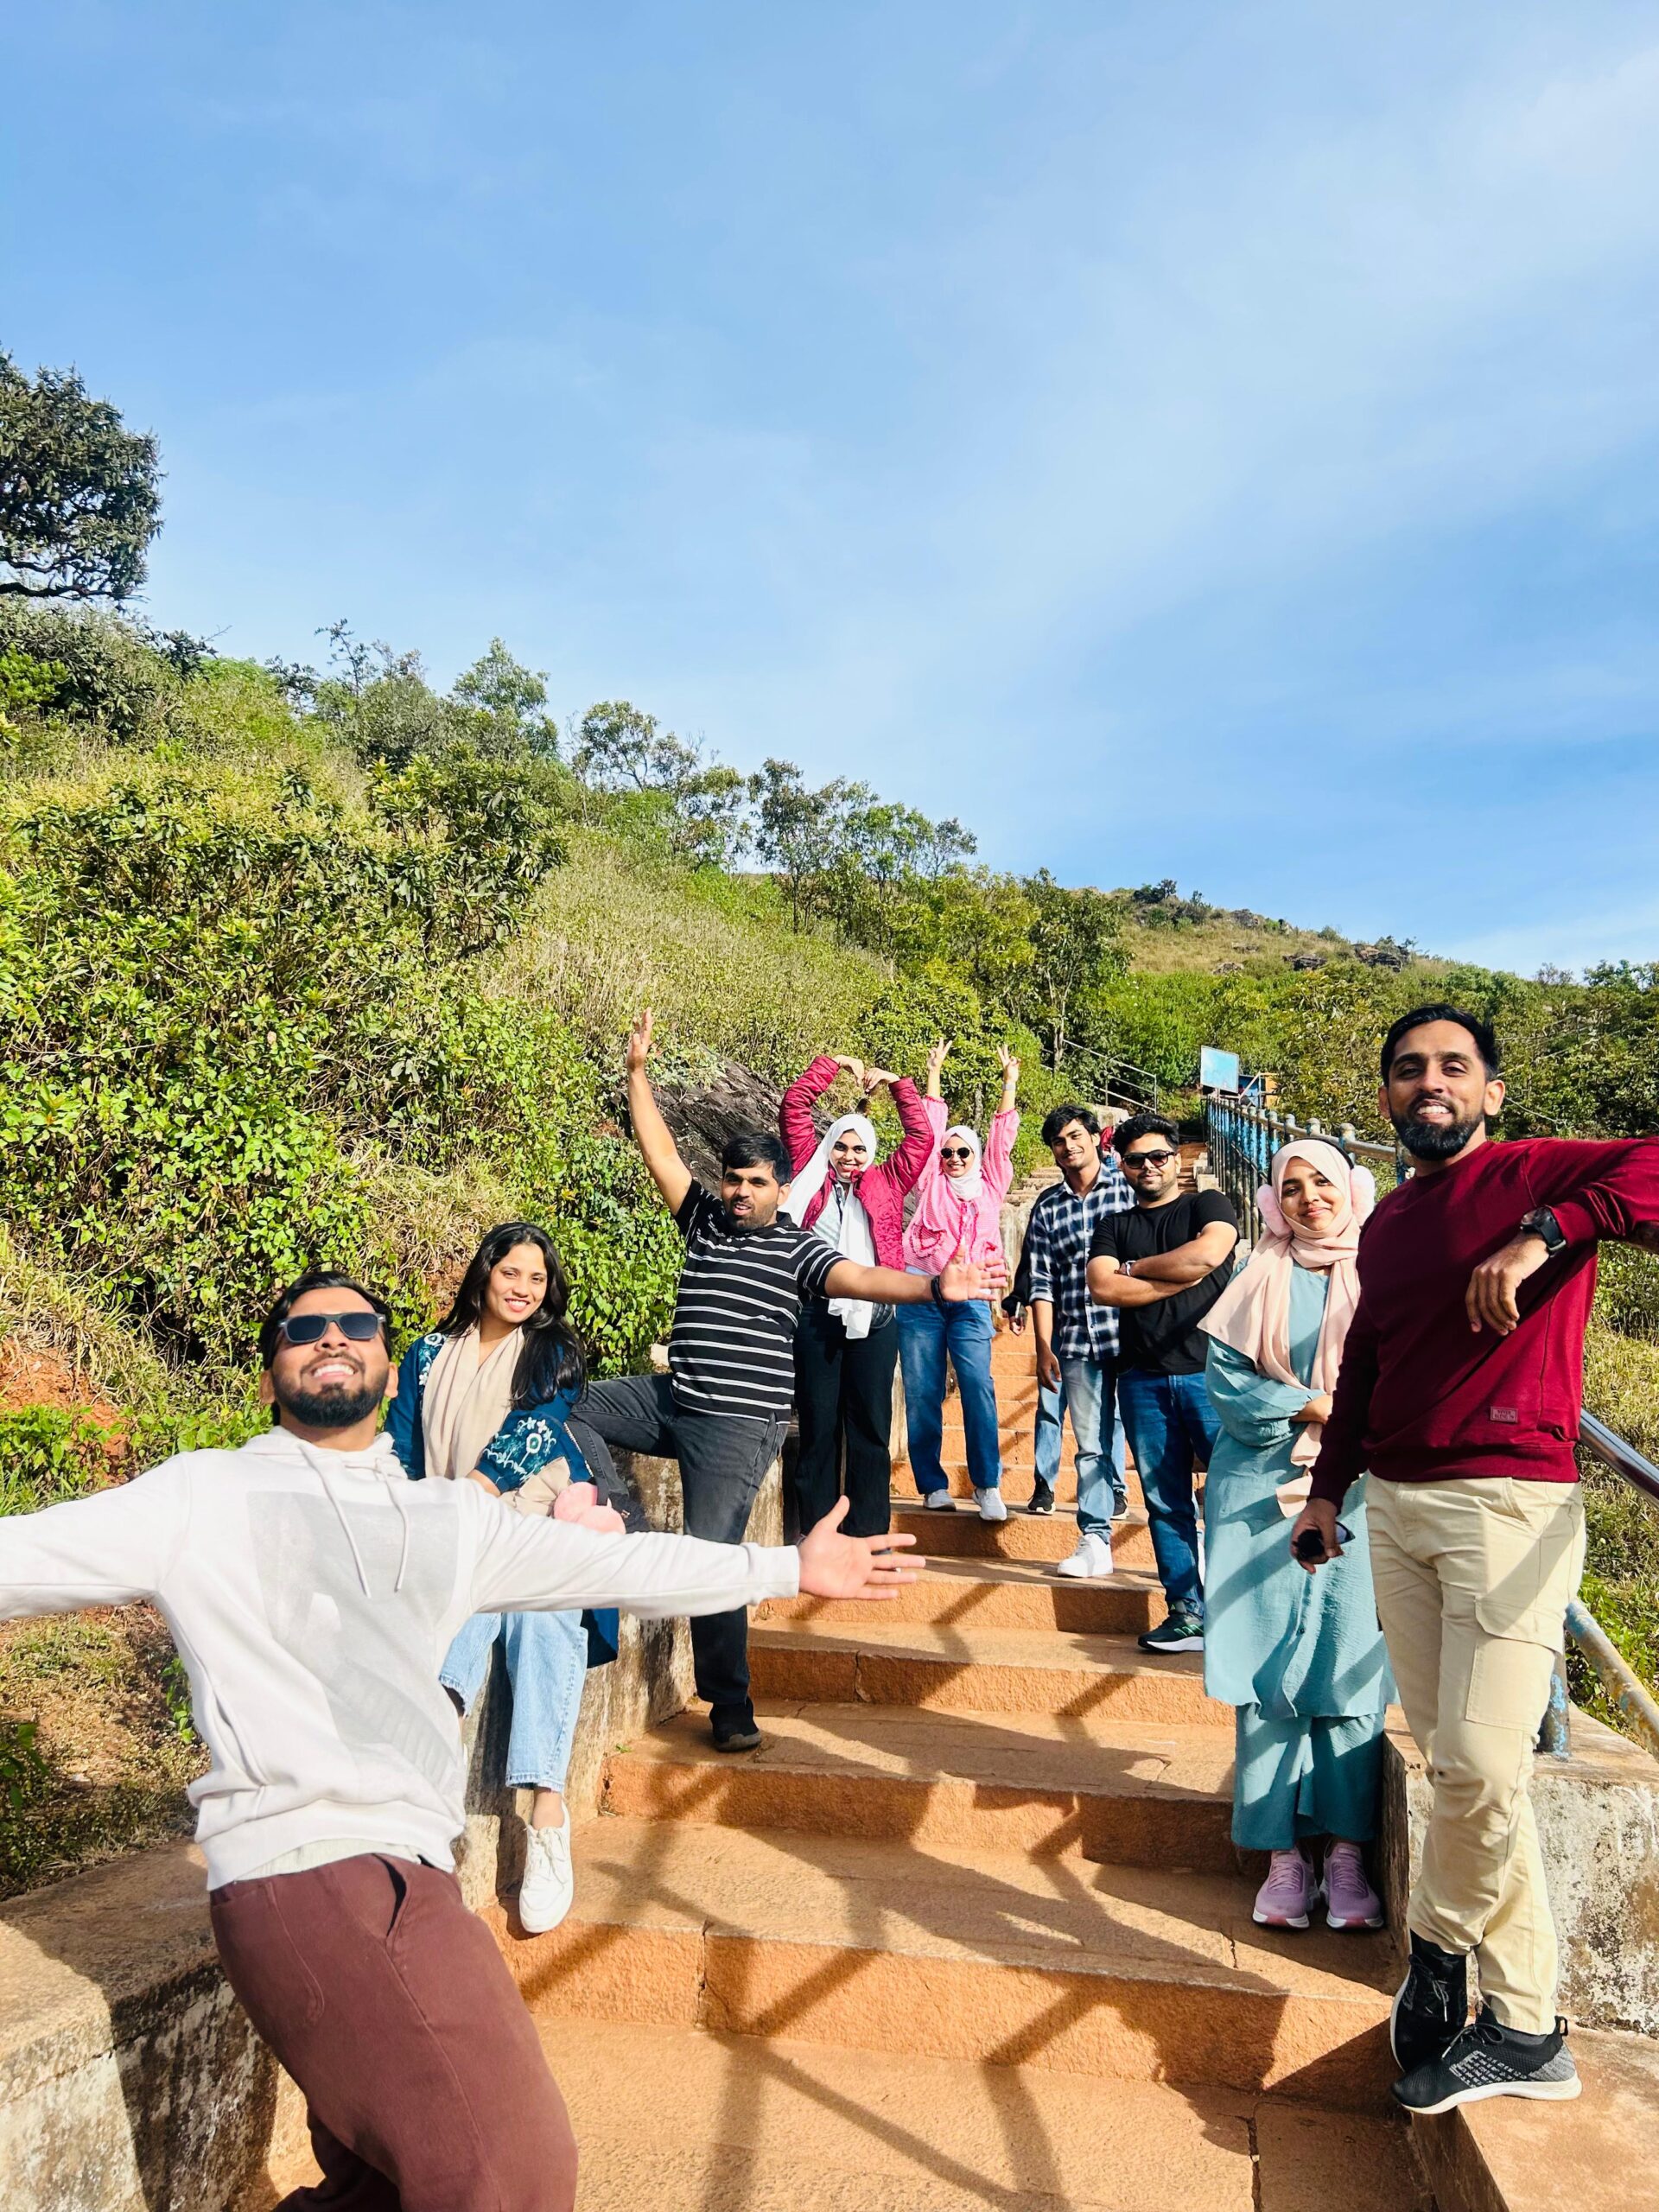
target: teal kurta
<point>1295,1644</point>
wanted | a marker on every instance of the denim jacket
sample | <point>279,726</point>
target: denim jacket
<point>528,1441</point>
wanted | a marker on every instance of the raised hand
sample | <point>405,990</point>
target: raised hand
<point>834,1566</point>
<point>639,1041</point>
<point>874,1077</point>
<point>853,1067</point>
<point>1008,1062</point>
<point>937,1056</point>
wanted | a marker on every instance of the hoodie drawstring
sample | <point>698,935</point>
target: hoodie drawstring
<point>319,1462</point>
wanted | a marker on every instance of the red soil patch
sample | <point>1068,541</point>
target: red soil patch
<point>30,1376</point>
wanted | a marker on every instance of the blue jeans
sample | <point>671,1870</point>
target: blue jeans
<point>1087,1393</point>
<point>926,1334</point>
<point>1048,1436</point>
<point>547,1665</point>
<point>1170,1422</point>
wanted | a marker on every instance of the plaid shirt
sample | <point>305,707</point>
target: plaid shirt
<point>1057,1238</point>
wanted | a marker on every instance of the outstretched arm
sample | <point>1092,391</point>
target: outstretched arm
<point>650,1132</point>
<point>893,1286</point>
<point>935,1059</point>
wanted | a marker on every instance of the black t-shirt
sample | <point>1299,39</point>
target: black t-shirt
<point>732,1348</point>
<point>1165,1339</point>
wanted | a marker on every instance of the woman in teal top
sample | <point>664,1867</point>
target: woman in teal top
<point>1298,1656</point>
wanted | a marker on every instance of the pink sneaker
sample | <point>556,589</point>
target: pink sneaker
<point>1350,1902</point>
<point>1288,1895</point>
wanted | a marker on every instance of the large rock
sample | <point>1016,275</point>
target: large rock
<point>702,1118</point>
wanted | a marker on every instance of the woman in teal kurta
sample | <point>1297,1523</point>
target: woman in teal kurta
<point>1300,1657</point>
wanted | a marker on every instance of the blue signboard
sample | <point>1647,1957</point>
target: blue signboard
<point>1218,1071</point>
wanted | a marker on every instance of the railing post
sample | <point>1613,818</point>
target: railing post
<point>1555,1736</point>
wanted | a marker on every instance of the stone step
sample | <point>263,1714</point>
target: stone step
<point>1019,1593</point>
<point>1132,1796</point>
<point>729,2126</point>
<point>1050,1536</point>
<point>1600,2154</point>
<point>981,1670</point>
<point>988,1957</point>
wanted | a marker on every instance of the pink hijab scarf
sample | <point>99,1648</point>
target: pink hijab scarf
<point>1253,1313</point>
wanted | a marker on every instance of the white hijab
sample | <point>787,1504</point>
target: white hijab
<point>844,1224</point>
<point>969,1185</point>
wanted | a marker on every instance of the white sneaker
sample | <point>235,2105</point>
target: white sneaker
<point>548,1888</point>
<point>990,1505</point>
<point>1092,1557</point>
<point>940,1501</point>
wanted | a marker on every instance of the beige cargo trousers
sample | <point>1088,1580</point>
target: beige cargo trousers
<point>1472,1581</point>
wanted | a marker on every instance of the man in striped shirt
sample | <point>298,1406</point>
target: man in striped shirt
<point>722,1408</point>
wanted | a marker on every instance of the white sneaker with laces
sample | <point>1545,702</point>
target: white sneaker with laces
<point>1092,1558</point>
<point>940,1501</point>
<point>990,1504</point>
<point>548,1888</point>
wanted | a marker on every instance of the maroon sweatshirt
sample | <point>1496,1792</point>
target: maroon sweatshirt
<point>1420,1395</point>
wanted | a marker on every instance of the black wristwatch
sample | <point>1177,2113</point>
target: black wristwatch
<point>1542,1223</point>
<point>936,1284</point>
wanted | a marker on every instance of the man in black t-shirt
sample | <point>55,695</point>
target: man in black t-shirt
<point>1163,1265</point>
<point>723,1406</point>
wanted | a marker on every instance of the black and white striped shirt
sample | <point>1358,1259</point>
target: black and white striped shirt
<point>732,1349</point>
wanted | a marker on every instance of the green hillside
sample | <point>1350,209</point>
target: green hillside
<point>299,967</point>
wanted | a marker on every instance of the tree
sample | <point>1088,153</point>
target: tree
<point>79,493</point>
<point>622,750</point>
<point>799,833</point>
<point>1074,946</point>
<point>508,704</point>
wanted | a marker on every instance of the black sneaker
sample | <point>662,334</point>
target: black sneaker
<point>1120,1505</point>
<point>1042,1499</point>
<point>1430,2006</point>
<point>733,1728</point>
<point>1181,1631</point>
<point>1489,2060</point>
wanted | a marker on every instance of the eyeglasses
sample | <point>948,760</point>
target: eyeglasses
<point>310,1328</point>
<point>955,1152</point>
<point>1148,1159</point>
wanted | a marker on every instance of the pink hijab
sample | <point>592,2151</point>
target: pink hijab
<point>1253,1313</point>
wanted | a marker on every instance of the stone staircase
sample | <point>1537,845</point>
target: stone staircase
<point>968,1930</point>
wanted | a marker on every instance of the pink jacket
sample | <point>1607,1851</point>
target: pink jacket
<point>882,1188</point>
<point>945,1226</point>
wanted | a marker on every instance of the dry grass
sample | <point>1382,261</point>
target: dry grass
<point>718,963</point>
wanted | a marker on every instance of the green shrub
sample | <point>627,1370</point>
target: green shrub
<point>48,1454</point>
<point>97,667</point>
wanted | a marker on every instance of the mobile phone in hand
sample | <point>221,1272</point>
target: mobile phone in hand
<point>1310,1545</point>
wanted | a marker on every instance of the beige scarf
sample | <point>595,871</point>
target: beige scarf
<point>466,1400</point>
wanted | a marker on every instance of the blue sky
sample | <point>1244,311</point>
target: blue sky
<point>1216,441</point>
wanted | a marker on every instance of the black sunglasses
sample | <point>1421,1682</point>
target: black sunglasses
<point>955,1152</point>
<point>310,1328</point>
<point>1148,1159</point>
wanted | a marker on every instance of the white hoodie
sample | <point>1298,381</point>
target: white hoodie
<point>312,1595</point>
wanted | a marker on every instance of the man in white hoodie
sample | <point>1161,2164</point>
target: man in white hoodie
<point>312,1593</point>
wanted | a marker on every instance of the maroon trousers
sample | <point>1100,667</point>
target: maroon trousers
<point>390,2005</point>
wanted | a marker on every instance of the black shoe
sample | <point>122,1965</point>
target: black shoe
<point>1430,2006</point>
<point>1489,2060</point>
<point>1182,1630</point>
<point>1120,1505</point>
<point>1042,1499</point>
<point>733,1728</point>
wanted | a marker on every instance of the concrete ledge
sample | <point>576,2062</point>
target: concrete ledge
<point>130,2078</point>
<point>1597,1816</point>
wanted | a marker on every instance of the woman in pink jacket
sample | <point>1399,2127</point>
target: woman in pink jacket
<point>846,1351</point>
<point>958,1213</point>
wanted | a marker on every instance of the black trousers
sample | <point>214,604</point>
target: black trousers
<point>722,1460</point>
<point>843,1395</point>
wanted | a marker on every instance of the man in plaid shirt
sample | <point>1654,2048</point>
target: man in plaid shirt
<point>1077,1340</point>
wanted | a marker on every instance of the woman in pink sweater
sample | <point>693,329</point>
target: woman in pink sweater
<point>846,1351</point>
<point>958,1212</point>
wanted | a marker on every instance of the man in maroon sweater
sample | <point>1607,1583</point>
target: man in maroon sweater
<point>1459,1390</point>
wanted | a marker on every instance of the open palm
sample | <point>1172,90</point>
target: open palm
<point>834,1566</point>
